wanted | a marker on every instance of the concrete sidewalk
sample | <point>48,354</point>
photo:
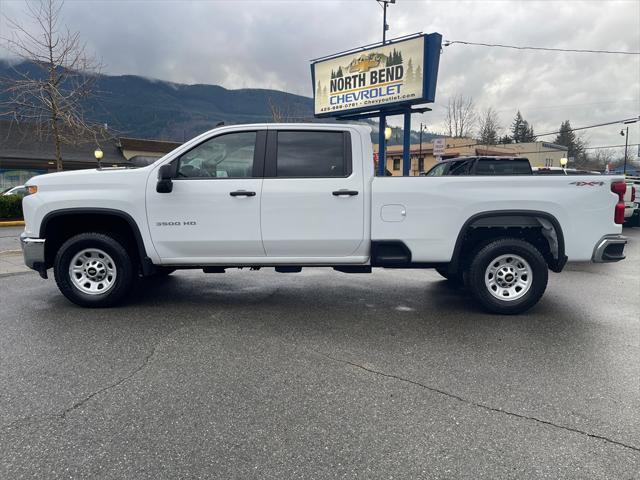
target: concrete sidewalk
<point>11,261</point>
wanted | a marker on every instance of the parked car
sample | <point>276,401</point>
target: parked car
<point>19,191</point>
<point>465,166</point>
<point>562,171</point>
<point>295,195</point>
<point>629,200</point>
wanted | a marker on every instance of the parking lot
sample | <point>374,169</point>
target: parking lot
<point>322,375</point>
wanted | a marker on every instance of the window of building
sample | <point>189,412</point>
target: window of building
<point>312,154</point>
<point>421,164</point>
<point>396,164</point>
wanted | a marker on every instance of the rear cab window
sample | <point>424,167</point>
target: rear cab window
<point>309,154</point>
<point>489,166</point>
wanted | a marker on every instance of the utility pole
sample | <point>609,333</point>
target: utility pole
<point>420,154</point>
<point>626,143</point>
<point>382,160</point>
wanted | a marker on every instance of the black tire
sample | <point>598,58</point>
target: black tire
<point>121,283</point>
<point>456,278</point>
<point>537,275</point>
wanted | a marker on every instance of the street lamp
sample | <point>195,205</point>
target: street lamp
<point>385,27</point>
<point>387,133</point>
<point>626,143</point>
<point>563,162</point>
<point>98,154</point>
<point>421,128</point>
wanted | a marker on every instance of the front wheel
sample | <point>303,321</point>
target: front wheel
<point>508,276</point>
<point>93,270</point>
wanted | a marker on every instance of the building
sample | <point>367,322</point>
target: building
<point>25,153</point>
<point>138,150</point>
<point>540,154</point>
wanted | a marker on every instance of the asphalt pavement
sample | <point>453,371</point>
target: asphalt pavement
<point>322,375</point>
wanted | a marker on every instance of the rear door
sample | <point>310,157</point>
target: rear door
<point>313,201</point>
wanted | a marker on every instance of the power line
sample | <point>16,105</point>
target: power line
<point>546,49</point>
<point>556,133</point>
<point>591,126</point>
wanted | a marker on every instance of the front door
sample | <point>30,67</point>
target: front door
<point>312,196</point>
<point>213,210</point>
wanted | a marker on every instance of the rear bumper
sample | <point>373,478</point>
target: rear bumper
<point>33,252</point>
<point>610,248</point>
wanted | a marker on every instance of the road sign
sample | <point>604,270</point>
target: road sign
<point>439,145</point>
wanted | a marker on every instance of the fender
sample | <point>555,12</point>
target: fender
<point>503,220</point>
<point>145,262</point>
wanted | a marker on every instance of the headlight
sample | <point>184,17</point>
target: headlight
<point>31,189</point>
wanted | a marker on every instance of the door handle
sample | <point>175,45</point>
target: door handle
<point>242,193</point>
<point>350,193</point>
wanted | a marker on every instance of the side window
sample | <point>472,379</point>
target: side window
<point>312,154</point>
<point>226,156</point>
<point>437,171</point>
<point>460,167</point>
<point>503,167</point>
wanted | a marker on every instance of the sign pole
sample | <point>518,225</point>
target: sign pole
<point>382,157</point>
<point>406,146</point>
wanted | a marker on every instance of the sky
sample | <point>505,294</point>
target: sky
<point>268,44</point>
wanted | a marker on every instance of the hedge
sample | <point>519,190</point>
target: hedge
<point>10,207</point>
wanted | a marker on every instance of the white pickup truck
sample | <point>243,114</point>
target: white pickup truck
<point>296,195</point>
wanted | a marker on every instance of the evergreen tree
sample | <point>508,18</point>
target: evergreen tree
<point>418,74</point>
<point>339,72</point>
<point>506,139</point>
<point>521,131</point>
<point>489,125</point>
<point>409,75</point>
<point>569,139</point>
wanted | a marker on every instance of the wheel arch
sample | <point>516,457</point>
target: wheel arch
<point>97,219</point>
<point>506,219</point>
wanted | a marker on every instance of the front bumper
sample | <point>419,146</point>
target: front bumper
<point>610,248</point>
<point>33,252</point>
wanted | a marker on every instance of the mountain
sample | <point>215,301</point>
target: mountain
<point>135,106</point>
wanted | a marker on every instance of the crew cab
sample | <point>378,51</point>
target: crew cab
<point>299,195</point>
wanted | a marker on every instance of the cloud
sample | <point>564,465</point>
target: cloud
<point>268,44</point>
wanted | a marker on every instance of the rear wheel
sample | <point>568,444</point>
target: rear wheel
<point>508,276</point>
<point>93,270</point>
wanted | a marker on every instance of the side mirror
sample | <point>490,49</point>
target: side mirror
<point>165,174</point>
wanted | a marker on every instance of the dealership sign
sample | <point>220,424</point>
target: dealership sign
<point>377,78</point>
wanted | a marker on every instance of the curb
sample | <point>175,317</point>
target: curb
<point>12,223</point>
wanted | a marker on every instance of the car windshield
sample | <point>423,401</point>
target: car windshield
<point>437,171</point>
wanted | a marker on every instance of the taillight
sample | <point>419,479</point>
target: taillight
<point>633,193</point>
<point>619,188</point>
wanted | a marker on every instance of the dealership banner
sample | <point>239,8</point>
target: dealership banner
<point>401,72</point>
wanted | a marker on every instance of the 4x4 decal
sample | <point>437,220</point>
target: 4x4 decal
<point>587,184</point>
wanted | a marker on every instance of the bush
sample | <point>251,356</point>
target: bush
<point>10,207</point>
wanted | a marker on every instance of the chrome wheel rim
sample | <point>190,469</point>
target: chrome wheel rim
<point>508,277</point>
<point>93,271</point>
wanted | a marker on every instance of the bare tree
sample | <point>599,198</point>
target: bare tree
<point>286,112</point>
<point>52,98</point>
<point>602,157</point>
<point>489,129</point>
<point>461,116</point>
